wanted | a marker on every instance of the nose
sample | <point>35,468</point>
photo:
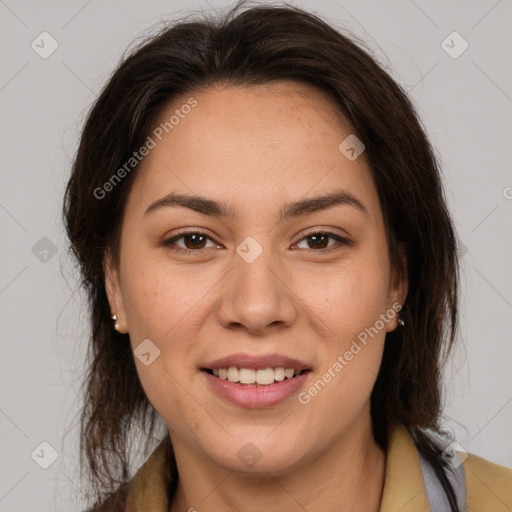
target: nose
<point>257,296</point>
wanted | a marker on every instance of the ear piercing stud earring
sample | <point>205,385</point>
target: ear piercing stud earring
<point>116,325</point>
<point>400,321</point>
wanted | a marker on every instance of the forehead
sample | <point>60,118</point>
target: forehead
<point>252,145</point>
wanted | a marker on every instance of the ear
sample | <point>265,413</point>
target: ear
<point>113,289</point>
<point>399,286</point>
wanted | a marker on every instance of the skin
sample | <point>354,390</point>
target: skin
<point>258,148</point>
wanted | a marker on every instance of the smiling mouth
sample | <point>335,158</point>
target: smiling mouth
<point>251,377</point>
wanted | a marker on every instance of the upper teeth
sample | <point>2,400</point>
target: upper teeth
<point>250,376</point>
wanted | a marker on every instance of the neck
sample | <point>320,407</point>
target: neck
<point>349,476</point>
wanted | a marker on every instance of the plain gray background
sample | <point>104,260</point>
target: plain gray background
<point>465,104</point>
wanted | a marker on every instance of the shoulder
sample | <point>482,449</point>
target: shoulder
<point>149,489</point>
<point>489,485</point>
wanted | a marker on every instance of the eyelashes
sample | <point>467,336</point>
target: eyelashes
<point>171,242</point>
<point>318,238</point>
<point>321,235</point>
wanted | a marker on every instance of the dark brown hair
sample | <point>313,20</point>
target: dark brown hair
<point>258,45</point>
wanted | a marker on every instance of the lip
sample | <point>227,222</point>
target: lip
<point>257,362</point>
<point>255,396</point>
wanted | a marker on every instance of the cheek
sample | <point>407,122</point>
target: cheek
<point>162,305</point>
<point>349,298</point>
<point>161,300</point>
<point>347,307</point>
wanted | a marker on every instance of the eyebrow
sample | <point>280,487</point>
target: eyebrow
<point>221,209</point>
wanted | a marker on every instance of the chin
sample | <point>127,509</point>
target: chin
<point>259,455</point>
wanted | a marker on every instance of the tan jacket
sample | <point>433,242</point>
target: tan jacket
<point>489,486</point>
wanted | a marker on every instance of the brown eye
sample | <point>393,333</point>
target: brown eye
<point>320,240</point>
<point>192,241</point>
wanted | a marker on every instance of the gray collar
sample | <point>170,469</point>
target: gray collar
<point>435,493</point>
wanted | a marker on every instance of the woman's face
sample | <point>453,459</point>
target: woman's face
<point>265,277</point>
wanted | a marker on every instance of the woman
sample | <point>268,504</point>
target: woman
<point>272,269</point>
